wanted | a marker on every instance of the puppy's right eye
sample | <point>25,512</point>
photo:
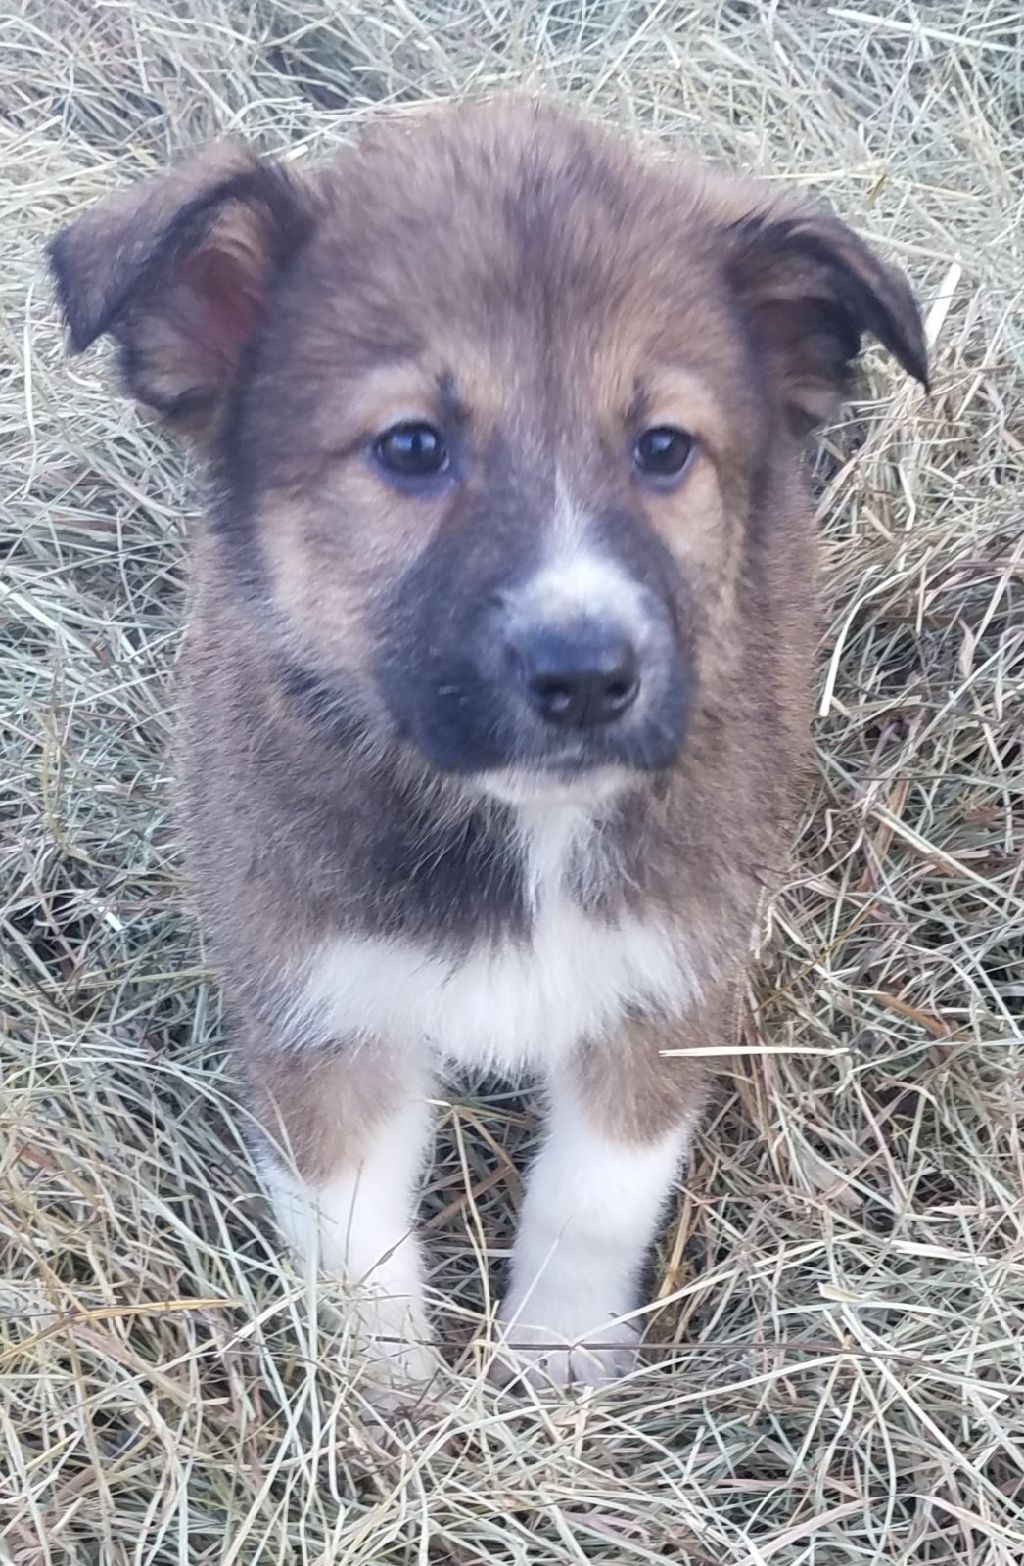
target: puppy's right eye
<point>412,450</point>
<point>663,453</point>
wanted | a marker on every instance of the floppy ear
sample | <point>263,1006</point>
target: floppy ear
<point>810,290</point>
<point>177,270</point>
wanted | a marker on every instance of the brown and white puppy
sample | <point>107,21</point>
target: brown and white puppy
<point>499,667</point>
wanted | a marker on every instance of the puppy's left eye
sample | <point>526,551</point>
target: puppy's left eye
<point>663,452</point>
<point>412,450</point>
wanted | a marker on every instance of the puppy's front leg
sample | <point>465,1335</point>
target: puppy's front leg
<point>620,1124</point>
<point>350,1129</point>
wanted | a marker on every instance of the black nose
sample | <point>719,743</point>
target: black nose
<point>578,676</point>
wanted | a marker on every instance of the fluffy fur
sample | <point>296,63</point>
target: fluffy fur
<point>402,859</point>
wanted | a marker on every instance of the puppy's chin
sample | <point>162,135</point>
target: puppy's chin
<point>583,787</point>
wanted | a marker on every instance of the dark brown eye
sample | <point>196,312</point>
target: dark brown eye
<point>662,452</point>
<point>412,450</point>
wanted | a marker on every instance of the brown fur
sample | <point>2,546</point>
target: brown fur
<point>529,281</point>
<point>321,1109</point>
<point>648,1083</point>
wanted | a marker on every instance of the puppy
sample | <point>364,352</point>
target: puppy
<point>498,675</point>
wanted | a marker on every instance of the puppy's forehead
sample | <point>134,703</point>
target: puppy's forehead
<point>523,237</point>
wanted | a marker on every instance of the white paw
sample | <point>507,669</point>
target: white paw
<point>394,1349</point>
<point>579,1354</point>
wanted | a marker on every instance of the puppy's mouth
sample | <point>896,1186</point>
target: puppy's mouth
<point>558,780</point>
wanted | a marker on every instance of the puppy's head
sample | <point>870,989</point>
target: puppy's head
<point>490,403</point>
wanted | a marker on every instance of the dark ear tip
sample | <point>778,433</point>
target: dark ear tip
<point>908,340</point>
<point>916,365</point>
<point>915,362</point>
<point>81,330</point>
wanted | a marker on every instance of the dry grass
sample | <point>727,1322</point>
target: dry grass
<point>841,1371</point>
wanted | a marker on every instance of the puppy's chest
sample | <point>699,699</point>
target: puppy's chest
<point>509,1005</point>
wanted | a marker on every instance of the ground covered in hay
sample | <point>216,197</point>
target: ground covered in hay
<point>838,1370</point>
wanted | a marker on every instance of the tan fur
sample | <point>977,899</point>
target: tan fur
<point>527,283</point>
<point>321,1110</point>
<point>647,1084</point>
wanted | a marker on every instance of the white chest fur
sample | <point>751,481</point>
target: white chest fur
<point>511,1006</point>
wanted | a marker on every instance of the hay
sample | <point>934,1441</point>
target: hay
<point>840,1376</point>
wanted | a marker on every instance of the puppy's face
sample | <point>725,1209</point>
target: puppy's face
<point>493,455</point>
<point>491,403</point>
